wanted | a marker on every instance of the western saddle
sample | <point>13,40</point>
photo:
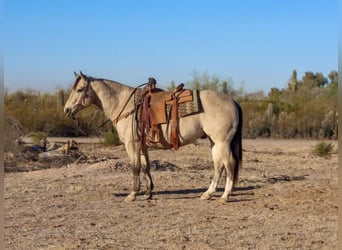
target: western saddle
<point>161,107</point>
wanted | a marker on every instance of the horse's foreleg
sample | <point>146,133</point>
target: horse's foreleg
<point>136,184</point>
<point>133,151</point>
<point>218,165</point>
<point>145,163</point>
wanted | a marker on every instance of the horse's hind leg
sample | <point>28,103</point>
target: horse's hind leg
<point>145,163</point>
<point>229,163</point>
<point>218,165</point>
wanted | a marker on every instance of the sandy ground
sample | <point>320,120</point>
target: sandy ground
<point>286,198</point>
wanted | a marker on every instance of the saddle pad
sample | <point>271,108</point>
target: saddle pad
<point>160,101</point>
<point>188,107</point>
<point>160,107</point>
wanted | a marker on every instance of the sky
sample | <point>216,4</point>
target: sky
<point>256,44</point>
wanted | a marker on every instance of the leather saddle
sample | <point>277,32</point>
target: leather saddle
<point>161,107</point>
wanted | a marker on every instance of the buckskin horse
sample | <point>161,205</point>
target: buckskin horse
<point>220,120</point>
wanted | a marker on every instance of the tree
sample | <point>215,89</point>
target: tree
<point>333,76</point>
<point>205,81</point>
<point>172,86</point>
<point>293,84</point>
<point>225,88</point>
<point>274,95</point>
<point>333,90</point>
<point>312,80</point>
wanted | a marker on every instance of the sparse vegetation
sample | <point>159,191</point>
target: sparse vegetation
<point>323,149</point>
<point>304,108</point>
<point>37,112</point>
<point>111,138</point>
<point>38,136</point>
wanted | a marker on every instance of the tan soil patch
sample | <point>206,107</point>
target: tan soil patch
<point>286,198</point>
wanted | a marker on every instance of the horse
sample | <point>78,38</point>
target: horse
<point>220,121</point>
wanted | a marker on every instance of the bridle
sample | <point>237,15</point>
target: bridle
<point>82,100</point>
<point>121,114</point>
<point>84,90</point>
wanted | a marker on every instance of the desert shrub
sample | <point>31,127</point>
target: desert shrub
<point>323,149</point>
<point>111,138</point>
<point>38,136</point>
<point>305,108</point>
<point>37,111</point>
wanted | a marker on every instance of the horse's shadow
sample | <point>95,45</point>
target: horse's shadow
<point>193,193</point>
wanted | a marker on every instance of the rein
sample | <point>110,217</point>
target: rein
<point>121,115</point>
<point>125,115</point>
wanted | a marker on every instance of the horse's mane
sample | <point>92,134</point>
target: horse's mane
<point>76,81</point>
<point>109,85</point>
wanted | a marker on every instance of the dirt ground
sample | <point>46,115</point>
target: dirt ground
<point>286,198</point>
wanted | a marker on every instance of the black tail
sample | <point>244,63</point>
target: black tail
<point>236,145</point>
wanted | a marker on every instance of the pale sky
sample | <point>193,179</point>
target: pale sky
<point>257,43</point>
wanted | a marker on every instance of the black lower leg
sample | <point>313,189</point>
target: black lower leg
<point>136,179</point>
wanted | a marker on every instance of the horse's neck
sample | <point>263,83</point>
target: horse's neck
<point>112,97</point>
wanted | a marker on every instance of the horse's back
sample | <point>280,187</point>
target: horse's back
<point>217,106</point>
<point>220,117</point>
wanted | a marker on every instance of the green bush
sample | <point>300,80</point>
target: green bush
<point>323,149</point>
<point>111,138</point>
<point>38,136</point>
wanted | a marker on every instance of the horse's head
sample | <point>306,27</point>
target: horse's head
<point>81,96</point>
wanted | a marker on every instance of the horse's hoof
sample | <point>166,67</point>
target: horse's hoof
<point>130,198</point>
<point>205,196</point>
<point>147,196</point>
<point>223,200</point>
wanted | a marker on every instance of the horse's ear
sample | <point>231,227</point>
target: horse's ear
<point>83,76</point>
<point>76,75</point>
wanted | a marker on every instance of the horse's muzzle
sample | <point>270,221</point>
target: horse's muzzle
<point>68,112</point>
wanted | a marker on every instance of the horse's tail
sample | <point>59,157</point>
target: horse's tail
<point>236,145</point>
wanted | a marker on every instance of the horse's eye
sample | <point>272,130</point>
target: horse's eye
<point>80,90</point>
